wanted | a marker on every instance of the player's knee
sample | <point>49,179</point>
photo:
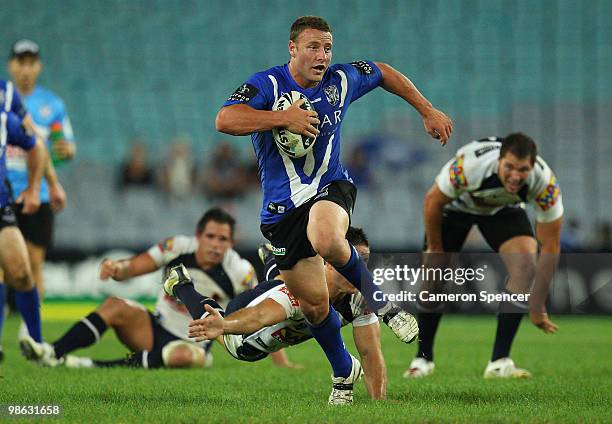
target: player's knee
<point>525,270</point>
<point>328,245</point>
<point>315,313</point>
<point>20,278</point>
<point>112,309</point>
<point>182,354</point>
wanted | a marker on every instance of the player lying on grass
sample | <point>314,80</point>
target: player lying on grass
<point>268,318</point>
<point>158,339</point>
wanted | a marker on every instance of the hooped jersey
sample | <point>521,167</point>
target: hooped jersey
<point>294,330</point>
<point>288,183</point>
<point>231,277</point>
<point>471,180</point>
<point>46,108</point>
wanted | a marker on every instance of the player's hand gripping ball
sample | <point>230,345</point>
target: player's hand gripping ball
<point>288,143</point>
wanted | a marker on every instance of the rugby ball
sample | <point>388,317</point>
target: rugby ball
<point>288,143</point>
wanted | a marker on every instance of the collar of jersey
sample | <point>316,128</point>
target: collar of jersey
<point>309,92</point>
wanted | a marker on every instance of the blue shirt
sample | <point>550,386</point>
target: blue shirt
<point>46,108</point>
<point>288,183</point>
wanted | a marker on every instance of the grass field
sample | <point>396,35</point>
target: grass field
<point>572,381</point>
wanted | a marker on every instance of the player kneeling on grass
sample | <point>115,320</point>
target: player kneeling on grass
<point>158,339</point>
<point>267,318</point>
<point>486,184</point>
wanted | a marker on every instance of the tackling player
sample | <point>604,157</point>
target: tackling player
<point>308,201</point>
<point>13,253</point>
<point>486,184</point>
<point>160,338</point>
<point>267,318</point>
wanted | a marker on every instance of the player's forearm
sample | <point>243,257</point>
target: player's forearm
<point>549,235</point>
<point>36,160</point>
<point>375,375</point>
<point>397,83</point>
<point>243,321</point>
<point>244,120</point>
<point>545,270</point>
<point>50,174</point>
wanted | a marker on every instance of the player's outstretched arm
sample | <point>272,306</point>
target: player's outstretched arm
<point>240,119</point>
<point>123,269</point>
<point>432,212</point>
<point>243,321</point>
<point>436,123</point>
<point>549,236</point>
<point>367,341</point>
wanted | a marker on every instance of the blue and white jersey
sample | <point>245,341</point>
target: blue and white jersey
<point>13,133</point>
<point>46,108</point>
<point>288,183</point>
<point>10,100</point>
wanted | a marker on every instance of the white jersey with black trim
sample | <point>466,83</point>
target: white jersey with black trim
<point>294,330</point>
<point>471,180</point>
<point>222,283</point>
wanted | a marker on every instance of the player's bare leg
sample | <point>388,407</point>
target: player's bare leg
<point>306,281</point>
<point>130,321</point>
<point>520,258</point>
<point>327,226</point>
<point>183,354</point>
<point>18,274</point>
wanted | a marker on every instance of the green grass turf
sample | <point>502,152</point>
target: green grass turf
<point>572,381</point>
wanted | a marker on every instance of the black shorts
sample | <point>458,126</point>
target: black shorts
<point>496,229</point>
<point>161,336</point>
<point>288,236</point>
<point>38,227</point>
<point>7,217</point>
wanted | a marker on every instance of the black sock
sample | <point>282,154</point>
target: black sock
<point>194,301</point>
<point>82,334</point>
<point>428,325</point>
<point>124,362</point>
<point>143,359</point>
<point>507,326</point>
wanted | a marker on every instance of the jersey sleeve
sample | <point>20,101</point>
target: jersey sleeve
<point>283,297</point>
<point>249,276</point>
<point>453,179</point>
<point>365,319</point>
<point>16,133</point>
<point>546,194</point>
<point>255,92</point>
<point>363,76</point>
<point>166,250</point>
